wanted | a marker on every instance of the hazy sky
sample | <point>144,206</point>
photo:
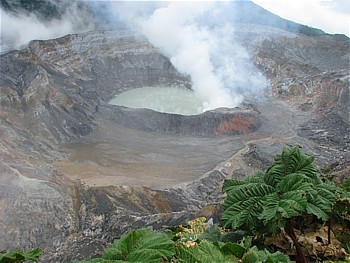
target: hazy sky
<point>332,16</point>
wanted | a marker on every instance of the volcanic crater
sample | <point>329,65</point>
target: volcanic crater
<point>77,172</point>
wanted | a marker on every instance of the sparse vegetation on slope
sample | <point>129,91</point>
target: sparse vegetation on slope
<point>291,202</point>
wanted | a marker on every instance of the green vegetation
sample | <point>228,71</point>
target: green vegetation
<point>17,256</point>
<point>291,187</point>
<point>141,245</point>
<point>290,212</point>
<point>197,242</point>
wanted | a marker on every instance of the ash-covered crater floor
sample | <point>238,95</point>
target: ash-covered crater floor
<point>77,172</point>
<point>140,147</point>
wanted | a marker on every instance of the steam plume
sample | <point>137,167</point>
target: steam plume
<point>198,37</point>
<point>219,67</point>
<point>189,45</point>
<point>18,28</point>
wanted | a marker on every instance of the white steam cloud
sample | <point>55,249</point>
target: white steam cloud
<point>16,30</point>
<point>198,38</point>
<point>190,48</point>
<point>200,43</point>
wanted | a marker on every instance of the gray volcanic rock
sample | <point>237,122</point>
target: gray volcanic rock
<point>77,172</point>
<point>59,83</point>
<point>50,95</point>
<point>308,72</point>
<point>208,124</point>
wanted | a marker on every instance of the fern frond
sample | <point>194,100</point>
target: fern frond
<point>243,214</point>
<point>291,161</point>
<point>235,184</point>
<point>294,182</point>
<point>232,184</point>
<point>269,205</point>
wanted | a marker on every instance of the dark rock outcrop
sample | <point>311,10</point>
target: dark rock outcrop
<point>214,123</point>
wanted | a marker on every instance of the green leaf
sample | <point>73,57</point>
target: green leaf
<point>18,255</point>
<point>143,245</point>
<point>96,260</point>
<point>249,180</point>
<point>294,182</point>
<point>211,234</point>
<point>204,252</point>
<point>230,184</point>
<point>291,161</point>
<point>288,208</point>
<point>268,257</point>
<point>112,254</point>
<point>317,211</point>
<point>250,257</point>
<point>321,200</point>
<point>243,204</point>
<point>13,256</point>
<point>33,254</point>
<point>233,249</point>
<point>278,257</point>
<point>236,215</point>
<point>270,205</point>
<point>186,255</point>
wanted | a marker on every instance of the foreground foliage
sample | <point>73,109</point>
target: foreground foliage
<point>268,202</point>
<point>198,242</point>
<point>17,256</point>
<point>141,245</point>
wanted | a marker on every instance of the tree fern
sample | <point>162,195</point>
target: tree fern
<point>321,200</point>
<point>291,161</point>
<point>243,203</point>
<point>291,186</point>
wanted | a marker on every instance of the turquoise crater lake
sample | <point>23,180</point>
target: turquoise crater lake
<point>162,99</point>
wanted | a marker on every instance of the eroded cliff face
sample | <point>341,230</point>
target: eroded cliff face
<point>77,172</point>
<point>309,73</point>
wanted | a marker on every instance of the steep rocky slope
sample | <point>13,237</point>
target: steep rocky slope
<point>76,172</point>
<point>309,73</point>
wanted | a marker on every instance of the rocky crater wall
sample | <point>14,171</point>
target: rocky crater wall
<point>59,83</point>
<point>55,93</point>
<point>51,93</point>
<point>310,73</point>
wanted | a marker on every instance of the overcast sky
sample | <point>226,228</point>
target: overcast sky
<point>332,16</point>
